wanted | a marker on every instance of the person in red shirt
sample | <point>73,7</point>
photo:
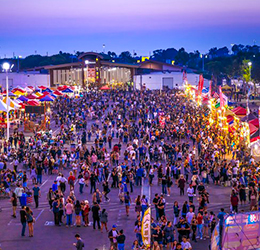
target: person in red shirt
<point>234,201</point>
<point>71,180</point>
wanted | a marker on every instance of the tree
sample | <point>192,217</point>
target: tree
<point>182,57</point>
<point>126,57</point>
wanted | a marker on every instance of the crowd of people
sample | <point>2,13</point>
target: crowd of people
<point>116,140</point>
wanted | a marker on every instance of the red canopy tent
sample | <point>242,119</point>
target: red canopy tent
<point>33,103</point>
<point>57,92</point>
<point>255,122</point>
<point>42,87</point>
<point>239,111</point>
<point>230,118</point>
<point>252,128</point>
<point>61,88</point>
<point>32,96</point>
<point>18,89</point>
<point>105,88</point>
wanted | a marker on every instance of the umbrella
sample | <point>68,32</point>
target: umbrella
<point>46,98</point>
<point>67,90</point>
<point>105,88</point>
<point>32,96</point>
<point>23,98</point>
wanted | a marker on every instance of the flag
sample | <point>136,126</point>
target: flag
<point>146,227</point>
<point>221,97</point>
<point>200,85</point>
<point>217,105</point>
<point>210,83</point>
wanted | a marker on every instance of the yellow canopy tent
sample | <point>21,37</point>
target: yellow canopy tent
<point>38,94</point>
<point>17,92</point>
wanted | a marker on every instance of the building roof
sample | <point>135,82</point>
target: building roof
<point>91,54</point>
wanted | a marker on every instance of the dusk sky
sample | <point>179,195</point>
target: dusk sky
<point>141,25</point>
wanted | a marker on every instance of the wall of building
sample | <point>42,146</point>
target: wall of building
<point>25,79</point>
<point>155,80</point>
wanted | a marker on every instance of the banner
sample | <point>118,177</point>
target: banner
<point>210,86</point>
<point>146,228</point>
<point>221,99</point>
<point>200,86</point>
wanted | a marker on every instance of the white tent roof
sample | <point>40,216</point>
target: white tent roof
<point>3,106</point>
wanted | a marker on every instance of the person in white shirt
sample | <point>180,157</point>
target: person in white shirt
<point>185,244</point>
<point>190,215</point>
<point>190,191</point>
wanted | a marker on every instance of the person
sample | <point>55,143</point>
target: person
<point>77,209</point>
<point>200,225</point>
<point>95,215</point>
<point>14,204</point>
<point>181,184</point>
<point>138,207</point>
<point>221,217</point>
<point>81,184</point>
<point>190,192</point>
<point>194,227</point>
<point>85,212</point>
<point>69,208</point>
<point>79,244</point>
<point>155,202</point>
<point>189,215</point>
<point>183,228</point>
<point>50,197</point>
<point>185,244</point>
<point>112,235</point>
<point>158,236</point>
<point>176,212</point>
<point>234,201</point>
<point>19,191</point>
<point>36,194</point>
<point>169,235</point>
<point>103,220</point>
<point>121,240</point>
<point>138,234</point>
<point>23,220</point>
<point>30,220</point>
<point>127,203</point>
<point>55,209</point>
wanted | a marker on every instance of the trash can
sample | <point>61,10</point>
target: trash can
<point>23,199</point>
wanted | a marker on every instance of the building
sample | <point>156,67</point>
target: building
<point>24,79</point>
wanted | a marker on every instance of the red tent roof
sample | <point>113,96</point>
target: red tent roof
<point>105,88</point>
<point>18,89</point>
<point>252,128</point>
<point>255,122</point>
<point>239,111</point>
<point>57,92</point>
<point>255,139</point>
<point>32,96</point>
<point>33,103</point>
<point>62,87</point>
<point>42,87</point>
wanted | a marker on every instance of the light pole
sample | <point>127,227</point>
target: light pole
<point>250,67</point>
<point>6,68</point>
<point>87,62</point>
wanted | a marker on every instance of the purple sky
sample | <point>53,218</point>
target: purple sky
<point>141,25</point>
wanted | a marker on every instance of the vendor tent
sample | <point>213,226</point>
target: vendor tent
<point>11,103</point>
<point>33,103</point>
<point>239,111</point>
<point>57,92</point>
<point>23,98</point>
<point>47,90</point>
<point>105,88</point>
<point>67,90</point>
<point>46,98</point>
<point>248,117</point>
<point>3,107</point>
<point>32,96</point>
<point>252,128</point>
<point>255,122</point>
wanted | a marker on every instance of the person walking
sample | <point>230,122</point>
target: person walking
<point>14,204</point>
<point>127,203</point>
<point>79,244</point>
<point>181,184</point>
<point>30,220</point>
<point>78,211</point>
<point>36,194</point>
<point>95,215</point>
<point>55,209</point>
<point>103,220</point>
<point>23,220</point>
<point>121,240</point>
